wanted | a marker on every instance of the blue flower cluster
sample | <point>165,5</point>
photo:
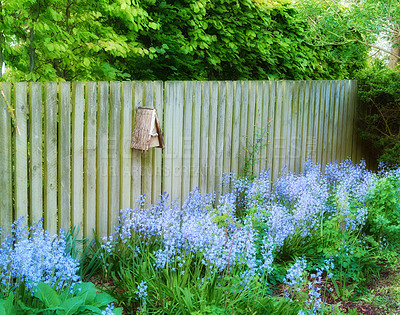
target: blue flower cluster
<point>294,205</point>
<point>30,255</point>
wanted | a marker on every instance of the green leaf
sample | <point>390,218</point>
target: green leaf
<point>103,299</point>
<point>71,305</point>
<point>47,295</point>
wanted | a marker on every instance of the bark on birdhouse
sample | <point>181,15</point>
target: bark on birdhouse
<point>147,133</point>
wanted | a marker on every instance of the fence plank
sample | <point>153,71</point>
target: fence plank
<point>296,120</point>
<point>196,132</point>
<point>342,124</point>
<point>187,136</point>
<point>311,121</point>
<point>50,159</point>
<point>102,160</point>
<point>251,124</point>
<point>136,185</point>
<point>244,112</point>
<point>177,138</point>
<point>205,113</point>
<point>89,162</point>
<point>147,156</point>
<point>331,121</point>
<point>237,91</point>
<point>278,151</point>
<point>220,141</point>
<point>156,188</point>
<point>321,115</point>
<point>348,113</point>
<point>258,125</point>
<point>212,137</point>
<point>64,156</point>
<point>6,210</point>
<point>126,152</point>
<point>229,108</point>
<point>114,153</point>
<point>21,152</point>
<point>270,89</point>
<point>335,138</point>
<point>304,125</point>
<point>168,137</point>
<point>35,138</point>
<point>78,96</point>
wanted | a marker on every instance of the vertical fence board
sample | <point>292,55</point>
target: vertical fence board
<point>320,111</point>
<point>157,153</point>
<point>311,121</point>
<point>237,92</point>
<point>258,125</point>
<point>196,126</point>
<point>335,117</point>
<point>277,154</point>
<point>187,139</point>
<point>168,137</point>
<point>78,94</point>
<point>353,104</point>
<point>136,184</point>
<point>50,158</point>
<point>64,156</point>
<point>348,113</point>
<point>36,169</point>
<point>205,114</point>
<point>102,160</point>
<point>89,162</point>
<point>295,125</point>
<point>341,123</point>
<point>212,136</point>
<point>147,156</point>
<point>262,114</point>
<point>114,154</point>
<point>251,125</point>
<point>5,160</point>
<point>270,89</point>
<point>229,108</point>
<point>196,133</point>
<point>220,141</point>
<point>305,124</point>
<point>331,121</point>
<point>125,146</point>
<point>21,151</point>
<point>243,143</point>
<point>177,139</point>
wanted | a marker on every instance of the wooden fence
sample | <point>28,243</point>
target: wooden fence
<point>70,160</point>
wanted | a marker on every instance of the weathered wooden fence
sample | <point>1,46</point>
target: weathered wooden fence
<point>67,155</point>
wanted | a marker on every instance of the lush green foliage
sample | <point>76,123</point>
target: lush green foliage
<point>164,40</point>
<point>379,115</point>
<point>84,298</point>
<point>352,27</point>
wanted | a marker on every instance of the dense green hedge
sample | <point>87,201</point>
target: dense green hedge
<point>379,115</point>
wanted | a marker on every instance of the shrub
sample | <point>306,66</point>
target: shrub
<point>379,113</point>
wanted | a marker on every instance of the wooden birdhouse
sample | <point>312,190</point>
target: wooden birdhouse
<point>147,133</point>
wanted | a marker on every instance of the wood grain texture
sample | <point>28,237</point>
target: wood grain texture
<point>6,210</point>
<point>50,158</point>
<point>36,153</point>
<point>21,151</point>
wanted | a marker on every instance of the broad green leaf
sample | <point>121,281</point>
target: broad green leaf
<point>71,305</point>
<point>47,295</point>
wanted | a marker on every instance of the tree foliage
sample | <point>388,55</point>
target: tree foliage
<point>354,24</point>
<point>165,40</point>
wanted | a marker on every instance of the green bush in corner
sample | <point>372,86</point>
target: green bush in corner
<point>379,115</point>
